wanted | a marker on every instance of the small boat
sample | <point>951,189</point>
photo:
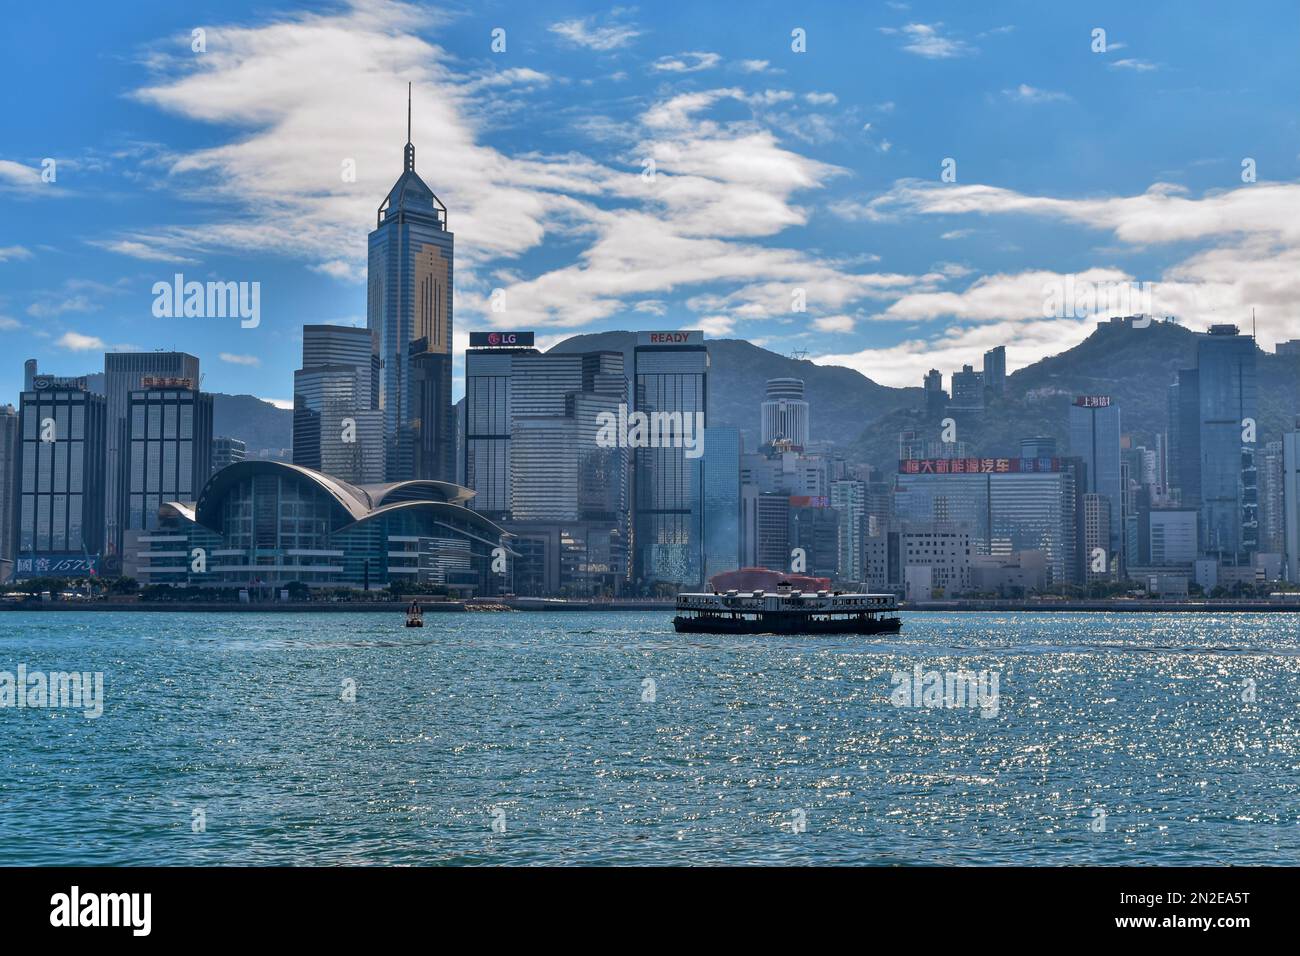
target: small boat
<point>786,611</point>
<point>414,616</point>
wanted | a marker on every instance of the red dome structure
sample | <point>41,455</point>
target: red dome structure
<point>764,579</point>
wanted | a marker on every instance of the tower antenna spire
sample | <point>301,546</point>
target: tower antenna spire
<point>410,150</point>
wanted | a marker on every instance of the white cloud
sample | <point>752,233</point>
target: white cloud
<point>724,190</point>
<point>821,99</point>
<point>76,342</point>
<point>50,308</point>
<point>1139,66</point>
<point>927,40</point>
<point>1024,93</point>
<point>753,66</point>
<point>17,178</point>
<point>341,269</point>
<point>714,326</point>
<point>1250,255</point>
<point>586,33</point>
<point>141,250</point>
<point>906,363</point>
<point>14,252</point>
<point>235,359</point>
<point>834,323</point>
<point>687,62</point>
<point>8,324</point>
<point>282,403</point>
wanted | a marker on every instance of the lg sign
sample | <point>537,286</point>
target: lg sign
<point>499,340</point>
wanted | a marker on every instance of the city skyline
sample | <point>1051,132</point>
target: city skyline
<point>775,171</point>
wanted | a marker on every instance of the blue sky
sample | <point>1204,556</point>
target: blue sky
<point>775,171</point>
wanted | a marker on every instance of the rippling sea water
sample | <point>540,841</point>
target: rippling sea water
<point>1134,722</point>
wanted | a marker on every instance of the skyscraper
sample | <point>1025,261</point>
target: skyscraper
<point>849,498</point>
<point>1291,501</point>
<point>227,451</point>
<point>8,449</point>
<point>1228,413</point>
<point>785,413</point>
<point>995,370</point>
<point>1272,518</point>
<point>168,451</point>
<point>721,490</point>
<point>488,381</point>
<point>1095,430</point>
<point>535,456</point>
<point>670,375</point>
<point>124,372</point>
<point>935,397</point>
<point>59,471</point>
<point>408,301</point>
<point>337,427</point>
<point>968,389</point>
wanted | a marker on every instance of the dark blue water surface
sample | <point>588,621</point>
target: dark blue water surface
<point>1119,738</point>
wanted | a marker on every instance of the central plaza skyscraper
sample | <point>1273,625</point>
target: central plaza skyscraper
<point>408,308</point>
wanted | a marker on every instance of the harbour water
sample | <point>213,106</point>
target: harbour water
<point>594,738</point>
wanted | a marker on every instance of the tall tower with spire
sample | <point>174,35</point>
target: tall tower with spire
<point>408,306</point>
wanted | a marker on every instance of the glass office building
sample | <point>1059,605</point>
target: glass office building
<point>720,483</point>
<point>670,375</point>
<point>59,478</point>
<point>337,425</point>
<point>169,449</point>
<point>1227,398</point>
<point>123,373</point>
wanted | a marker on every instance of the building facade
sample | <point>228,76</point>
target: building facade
<point>337,425</point>
<point>123,373</point>
<point>59,477</point>
<point>227,451</point>
<point>784,413</point>
<point>168,451</point>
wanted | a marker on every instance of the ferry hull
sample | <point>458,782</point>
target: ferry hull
<point>785,623</point>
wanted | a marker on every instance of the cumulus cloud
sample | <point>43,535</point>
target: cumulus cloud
<point>1250,255</point>
<point>76,342</point>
